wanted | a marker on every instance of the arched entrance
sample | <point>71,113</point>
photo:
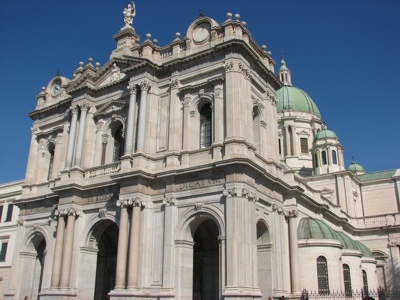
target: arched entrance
<point>33,262</point>
<point>107,242</point>
<point>264,260</point>
<point>206,261</point>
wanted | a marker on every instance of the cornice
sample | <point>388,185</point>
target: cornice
<point>66,101</point>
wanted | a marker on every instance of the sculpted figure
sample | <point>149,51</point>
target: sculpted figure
<point>129,12</point>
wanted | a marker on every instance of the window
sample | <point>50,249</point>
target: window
<point>9,212</point>
<point>1,213</point>
<point>304,145</point>
<point>51,149</point>
<point>3,251</point>
<point>205,126</point>
<point>347,281</point>
<point>322,274</point>
<point>118,144</point>
<point>280,146</point>
<point>324,161</point>
<point>365,281</point>
<point>316,160</point>
<point>334,157</point>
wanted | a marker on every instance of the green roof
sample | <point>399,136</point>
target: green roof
<point>346,241</point>
<point>364,249</point>
<point>310,228</point>
<point>354,167</point>
<point>295,99</point>
<point>377,175</point>
<point>283,66</point>
<point>325,134</point>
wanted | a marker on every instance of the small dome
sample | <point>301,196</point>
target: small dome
<point>325,134</point>
<point>283,66</point>
<point>356,168</point>
<point>346,241</point>
<point>295,99</point>
<point>310,228</point>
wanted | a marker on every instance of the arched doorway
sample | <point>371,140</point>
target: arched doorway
<point>33,262</point>
<point>264,260</point>
<point>206,261</point>
<point>107,242</point>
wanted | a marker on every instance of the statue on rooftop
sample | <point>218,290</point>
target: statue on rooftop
<point>129,12</point>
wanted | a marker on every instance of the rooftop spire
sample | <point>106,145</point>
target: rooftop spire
<point>284,73</point>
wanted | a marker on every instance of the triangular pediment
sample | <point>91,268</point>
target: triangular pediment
<point>110,108</point>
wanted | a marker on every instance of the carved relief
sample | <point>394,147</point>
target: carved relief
<point>230,192</point>
<point>169,201</point>
<point>249,195</point>
<point>67,212</point>
<point>292,213</point>
<point>229,66</point>
<point>199,206</point>
<point>277,209</point>
<point>245,71</point>
<point>144,85</point>
<point>132,87</point>
<point>174,83</point>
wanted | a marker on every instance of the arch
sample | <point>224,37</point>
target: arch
<point>347,280</point>
<point>264,258</point>
<point>93,221</point>
<point>263,233</point>
<point>185,232</point>
<point>322,275</point>
<point>111,138</point>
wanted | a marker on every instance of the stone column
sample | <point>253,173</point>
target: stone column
<point>68,246</point>
<point>55,276</point>
<point>186,122</point>
<point>294,251</point>
<point>131,119</point>
<point>122,255</point>
<point>134,245</point>
<point>144,87</point>
<point>71,139</point>
<point>81,134</point>
<point>286,150</point>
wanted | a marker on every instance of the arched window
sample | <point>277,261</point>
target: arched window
<point>256,129</point>
<point>51,149</point>
<point>334,157</point>
<point>322,274</point>
<point>347,280</point>
<point>205,126</point>
<point>118,144</point>
<point>323,154</point>
<point>365,282</point>
<point>316,160</point>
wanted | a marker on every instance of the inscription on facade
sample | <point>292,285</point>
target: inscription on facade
<point>100,198</point>
<point>38,210</point>
<point>198,183</point>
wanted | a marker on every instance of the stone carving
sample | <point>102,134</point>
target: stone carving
<point>129,12</point>
<point>187,100</point>
<point>277,209</point>
<point>230,192</point>
<point>199,205</point>
<point>249,195</point>
<point>67,212</point>
<point>292,213</point>
<point>102,212</point>
<point>394,244</point>
<point>115,73</point>
<point>174,83</point>
<point>229,66</point>
<point>36,227</point>
<point>20,222</point>
<point>246,72</point>
<point>132,87</point>
<point>129,202</point>
<point>169,201</point>
<point>84,106</point>
<point>145,85</point>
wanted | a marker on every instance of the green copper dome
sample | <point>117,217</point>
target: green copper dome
<point>283,66</point>
<point>310,228</point>
<point>355,168</point>
<point>364,249</point>
<point>326,134</point>
<point>292,98</point>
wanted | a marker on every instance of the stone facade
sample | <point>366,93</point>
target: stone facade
<point>159,176</point>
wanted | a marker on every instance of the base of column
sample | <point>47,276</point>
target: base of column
<point>59,294</point>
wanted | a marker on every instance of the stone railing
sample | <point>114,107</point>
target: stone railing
<point>378,220</point>
<point>102,170</point>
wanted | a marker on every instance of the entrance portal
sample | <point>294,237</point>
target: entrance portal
<point>206,261</point>
<point>106,262</point>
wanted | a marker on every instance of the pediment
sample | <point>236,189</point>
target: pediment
<point>112,73</point>
<point>110,108</point>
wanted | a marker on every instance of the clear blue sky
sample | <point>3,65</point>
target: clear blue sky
<point>344,54</point>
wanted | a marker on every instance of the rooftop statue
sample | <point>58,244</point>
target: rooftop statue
<point>129,12</point>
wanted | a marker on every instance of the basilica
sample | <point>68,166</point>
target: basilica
<point>194,170</point>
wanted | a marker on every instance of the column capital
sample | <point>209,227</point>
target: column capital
<point>174,83</point>
<point>132,87</point>
<point>230,192</point>
<point>145,85</point>
<point>277,209</point>
<point>74,109</point>
<point>84,106</point>
<point>229,66</point>
<point>169,201</point>
<point>249,195</point>
<point>292,213</point>
<point>67,212</point>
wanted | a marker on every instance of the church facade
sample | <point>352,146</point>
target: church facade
<point>195,171</point>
